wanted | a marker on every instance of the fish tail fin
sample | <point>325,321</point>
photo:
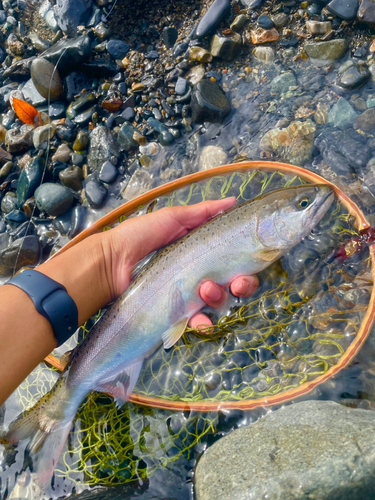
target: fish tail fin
<point>47,426</point>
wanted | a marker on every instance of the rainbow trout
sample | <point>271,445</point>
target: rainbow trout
<point>156,307</point>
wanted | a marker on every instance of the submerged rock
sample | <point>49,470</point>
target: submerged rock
<point>365,121</point>
<point>209,103</point>
<point>353,77</point>
<point>293,144</point>
<point>327,51</point>
<point>315,449</point>
<point>282,82</point>
<point>266,54</point>
<point>212,156</point>
<point>226,47</point>
<point>96,193</point>
<point>212,17</point>
<point>342,114</point>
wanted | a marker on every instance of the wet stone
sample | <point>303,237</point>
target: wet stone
<point>318,28</point>
<point>81,142</point>
<point>212,156</point>
<point>212,17</point>
<point>341,114</point>
<point>80,104</point>
<point>125,138</point>
<point>102,31</point>
<point>343,9</point>
<point>327,51</point>
<point>280,19</point>
<point>366,13</point>
<point>70,13</point>
<point>96,193</point>
<point>226,47</point>
<point>265,22</point>
<point>252,4</point>
<point>199,54</point>
<point>17,141</point>
<point>6,169</point>
<point>23,252</point>
<point>265,54</point>
<point>9,202</point>
<point>264,36</point>
<point>69,53</point>
<point>282,82</point>
<point>166,138</point>
<point>354,77</point>
<point>238,23</point>
<point>72,177</point>
<point>169,36</point>
<point>31,94</point>
<point>29,180</point>
<point>77,159</point>
<point>41,135</point>
<point>63,153</point>
<point>180,49</point>
<point>128,115</point>
<point>54,199</point>
<point>56,110</point>
<point>209,103</point>
<point>365,121</point>
<point>108,173</point>
<point>117,49</point>
<point>46,79</point>
<point>182,86</point>
<point>103,145</point>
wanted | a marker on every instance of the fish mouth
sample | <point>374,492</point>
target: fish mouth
<point>325,202</point>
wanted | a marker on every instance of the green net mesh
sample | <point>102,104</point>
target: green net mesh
<point>305,314</point>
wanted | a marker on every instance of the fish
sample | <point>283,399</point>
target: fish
<point>158,304</point>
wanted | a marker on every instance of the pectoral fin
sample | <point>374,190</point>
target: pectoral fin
<point>175,332</point>
<point>268,255</point>
<point>123,384</point>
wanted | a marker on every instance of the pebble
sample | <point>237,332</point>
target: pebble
<point>63,153</point>
<point>341,115</point>
<point>169,36</point>
<point>265,54</point>
<point>81,142</point>
<point>103,145</point>
<point>71,13</point>
<point>325,436</point>
<point>140,182</point>
<point>29,180</point>
<point>346,9</point>
<point>212,156</point>
<point>365,121</point>
<point>327,51</point>
<point>82,103</point>
<point>125,138</point>
<point>9,202</point>
<point>96,193</point>
<point>209,103</point>
<point>117,49</point>
<point>6,169</point>
<point>77,159</point>
<point>353,77</point>
<point>17,141</point>
<point>23,252</point>
<point>70,52</point>
<point>264,36</point>
<point>265,22</point>
<point>108,173</point>
<point>128,115</point>
<point>102,32</point>
<point>166,138</point>
<point>41,136</point>
<point>196,74</point>
<point>31,94</point>
<point>239,22</point>
<point>54,199</point>
<point>280,20</point>
<point>212,17</point>
<point>46,79</point>
<point>318,27</point>
<point>199,54</point>
<point>182,86</point>
<point>366,13</point>
<point>226,47</point>
<point>56,110</point>
<point>281,83</point>
<point>72,177</point>
<point>180,49</point>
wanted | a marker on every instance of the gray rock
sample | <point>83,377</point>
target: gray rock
<point>117,49</point>
<point>166,138</point>
<point>212,17</point>
<point>366,13</point>
<point>46,79</point>
<point>318,28</point>
<point>182,86</point>
<point>345,10</point>
<point>282,82</point>
<point>96,193</point>
<point>316,450</point>
<point>63,154</point>
<point>209,103</point>
<point>125,137</point>
<point>71,13</point>
<point>9,202</point>
<point>32,95</point>
<point>41,135</point>
<point>353,77</point>
<point>365,121</point>
<point>327,51</point>
<point>23,252</point>
<point>341,114</point>
<point>69,53</point>
<point>18,141</point>
<point>103,145</point>
<point>54,199</point>
<point>6,169</point>
<point>280,20</point>
<point>108,172</point>
<point>238,23</point>
<point>226,47</point>
<point>72,177</point>
<point>169,36</point>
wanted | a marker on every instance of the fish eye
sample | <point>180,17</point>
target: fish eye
<point>303,202</point>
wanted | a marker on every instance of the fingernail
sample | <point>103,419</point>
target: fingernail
<point>242,288</point>
<point>214,292</point>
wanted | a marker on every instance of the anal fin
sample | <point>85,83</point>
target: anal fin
<point>123,384</point>
<point>176,331</point>
<point>268,255</point>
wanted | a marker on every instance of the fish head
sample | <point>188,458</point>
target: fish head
<point>288,215</point>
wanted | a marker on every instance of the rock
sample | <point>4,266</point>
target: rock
<point>326,51</point>
<point>293,144</point>
<point>341,114</point>
<point>366,13</point>
<point>280,19</point>
<point>344,10</point>
<point>212,156</point>
<point>103,145</point>
<point>81,142</point>
<point>196,74</point>
<point>9,202</point>
<point>238,23</point>
<point>182,86</point>
<point>63,154</point>
<point>140,182</point>
<point>263,36</point>
<point>165,138</point>
<point>125,137</point>
<point>31,94</point>
<point>54,199</point>
<point>212,17</point>
<point>56,110</point>
<point>282,82</point>
<point>69,53</point>
<point>308,450</point>
<point>77,159</point>
<point>19,68</point>
<point>96,193</point>
<point>71,13</point>
<point>360,104</point>
<point>72,178</point>
<point>128,115</point>
<point>180,49</point>
<point>321,113</point>
<point>265,54</point>
<point>265,22</point>
<point>108,173</point>
<point>23,252</point>
<point>102,31</point>
<point>6,169</point>
<point>46,79</point>
<point>318,27</point>
<point>117,49</point>
<point>353,77</point>
<point>226,47</point>
<point>365,121</point>
<point>209,103</point>
<point>169,36</point>
<point>17,140</point>
<point>41,135</point>
<point>80,104</point>
<point>199,54</point>
<point>29,180</point>
<point>252,4</point>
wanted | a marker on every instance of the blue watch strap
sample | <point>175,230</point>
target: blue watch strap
<point>51,300</point>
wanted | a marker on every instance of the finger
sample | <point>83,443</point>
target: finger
<point>200,321</point>
<point>213,294</point>
<point>244,286</point>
